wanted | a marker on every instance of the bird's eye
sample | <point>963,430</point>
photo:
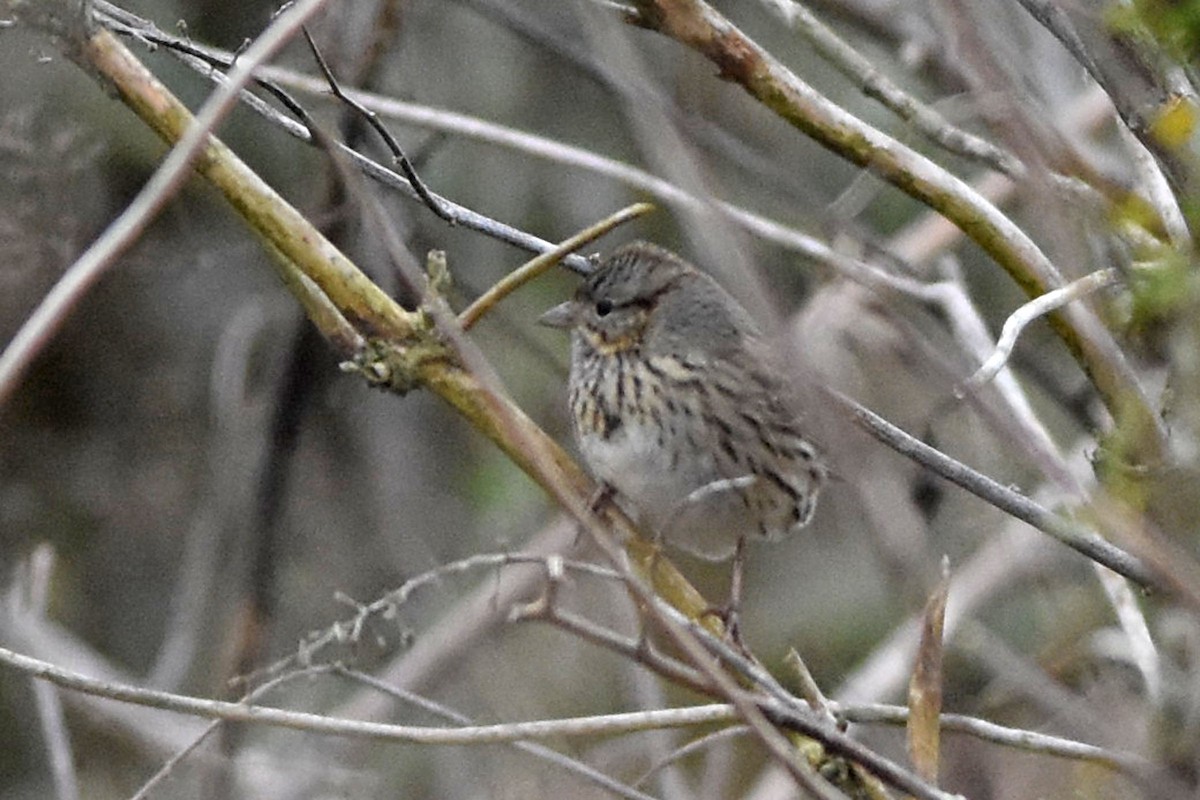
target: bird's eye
<point>603,307</point>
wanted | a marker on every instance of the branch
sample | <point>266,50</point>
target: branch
<point>1031,741</point>
<point>388,605</point>
<point>1033,310</point>
<point>171,763</point>
<point>774,702</point>
<point>546,261</point>
<point>1018,505</point>
<point>1138,88</point>
<point>874,83</point>
<point>472,128</point>
<point>413,734</point>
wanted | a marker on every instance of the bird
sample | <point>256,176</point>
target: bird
<point>677,407</point>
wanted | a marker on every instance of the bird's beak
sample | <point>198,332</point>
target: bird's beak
<point>561,316</point>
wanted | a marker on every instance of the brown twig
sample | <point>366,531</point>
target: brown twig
<point>544,262</point>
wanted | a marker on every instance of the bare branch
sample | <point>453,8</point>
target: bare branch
<point>203,59</point>
<point>874,83</point>
<point>605,725</point>
<point>1069,533</point>
<point>433,203</point>
<point>1031,311</point>
<point>388,605</point>
<point>1136,85</point>
<point>258,693</point>
<point>40,567</point>
<point>546,261</point>
<point>1032,741</point>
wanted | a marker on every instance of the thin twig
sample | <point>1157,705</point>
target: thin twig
<point>809,689</point>
<point>1071,534</point>
<point>1032,741</point>
<point>874,83</point>
<point>1026,314</point>
<point>1138,93</point>
<point>779,707</point>
<point>601,725</point>
<point>637,650</point>
<point>473,128</point>
<point>47,700</point>
<point>1142,651</point>
<point>704,742</point>
<point>433,203</point>
<point>540,264</point>
<point>389,604</point>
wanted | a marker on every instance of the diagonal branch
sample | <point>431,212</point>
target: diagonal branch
<point>1070,533</point>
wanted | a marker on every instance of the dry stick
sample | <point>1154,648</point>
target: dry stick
<point>434,204</point>
<point>546,261</point>
<point>1071,534</point>
<point>414,734</point>
<point>47,700</point>
<point>697,25</point>
<point>809,689</point>
<point>54,309</point>
<point>930,234</point>
<point>712,680</point>
<point>1137,106</point>
<point>1026,314</point>
<point>388,604</point>
<point>685,750</point>
<point>782,709</point>
<point>874,83</point>
<point>1030,741</point>
<point>466,735</point>
<point>637,650</point>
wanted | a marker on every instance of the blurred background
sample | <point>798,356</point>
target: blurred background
<point>189,486</point>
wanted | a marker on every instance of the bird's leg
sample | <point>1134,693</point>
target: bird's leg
<point>729,614</point>
<point>597,503</point>
<point>600,498</point>
<point>733,611</point>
